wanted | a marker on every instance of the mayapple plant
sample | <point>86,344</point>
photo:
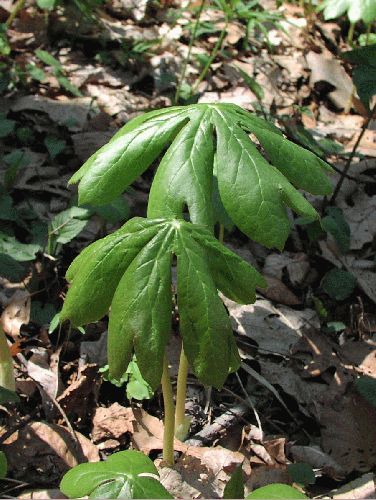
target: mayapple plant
<point>209,156</point>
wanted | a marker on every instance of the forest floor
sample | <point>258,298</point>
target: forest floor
<point>69,79</point>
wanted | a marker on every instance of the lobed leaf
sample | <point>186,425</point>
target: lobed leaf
<point>96,272</point>
<point>141,310</point>
<point>204,324</point>
<point>117,164</point>
<point>195,134</point>
<point>184,177</point>
<point>131,271</point>
<point>232,275</point>
<point>253,192</point>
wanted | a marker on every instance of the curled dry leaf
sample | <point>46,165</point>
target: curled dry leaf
<point>113,422</point>
<point>266,474</point>
<point>80,397</point>
<point>43,452</point>
<point>16,313</point>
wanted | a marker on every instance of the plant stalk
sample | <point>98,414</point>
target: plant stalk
<point>213,55</point>
<point>350,34</point>
<point>16,9</point>
<point>352,154</point>
<point>181,392</point>
<point>187,59</point>
<point>7,379</point>
<point>169,415</point>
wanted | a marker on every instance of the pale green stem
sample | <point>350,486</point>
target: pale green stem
<point>213,55</point>
<point>169,415</point>
<point>221,234</point>
<point>368,32</point>
<point>181,391</point>
<point>7,379</point>
<point>350,35</point>
<point>18,6</point>
<point>187,59</point>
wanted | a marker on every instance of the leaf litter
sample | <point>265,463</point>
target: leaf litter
<point>280,336</point>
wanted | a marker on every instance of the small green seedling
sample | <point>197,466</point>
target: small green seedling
<point>127,474</point>
<point>210,159</point>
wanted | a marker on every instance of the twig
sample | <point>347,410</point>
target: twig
<point>249,400</point>
<point>352,154</point>
<point>211,432</point>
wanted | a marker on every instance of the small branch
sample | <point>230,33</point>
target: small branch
<point>213,431</point>
<point>169,418</point>
<point>352,154</point>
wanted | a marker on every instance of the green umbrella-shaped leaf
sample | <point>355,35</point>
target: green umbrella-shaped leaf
<point>127,474</point>
<point>254,192</point>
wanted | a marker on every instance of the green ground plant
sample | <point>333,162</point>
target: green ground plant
<point>210,156</point>
<point>127,474</point>
<point>356,10</point>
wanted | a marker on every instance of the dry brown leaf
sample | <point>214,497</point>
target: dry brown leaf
<point>207,473</point>
<point>16,313</point>
<point>80,397</point>
<point>39,369</point>
<point>240,95</point>
<point>318,459</point>
<point>359,212</point>
<point>235,31</point>
<point>278,292</point>
<point>362,487</point>
<point>275,329</point>
<point>284,376</point>
<point>328,73</point>
<point>72,113</point>
<point>173,482</point>
<point>367,145</point>
<point>266,474</point>
<point>318,351</point>
<point>43,452</point>
<point>361,355</point>
<point>112,422</point>
<point>41,494</point>
<point>348,431</point>
<point>87,143</point>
